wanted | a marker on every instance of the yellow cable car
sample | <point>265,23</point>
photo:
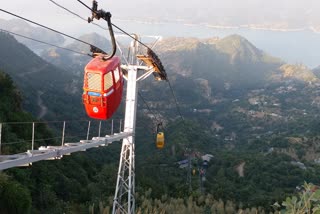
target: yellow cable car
<point>160,140</point>
<point>193,171</point>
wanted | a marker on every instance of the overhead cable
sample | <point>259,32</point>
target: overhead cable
<point>77,15</point>
<point>123,31</point>
<point>85,5</point>
<point>175,100</point>
<point>48,28</point>
<point>46,43</point>
<point>148,107</point>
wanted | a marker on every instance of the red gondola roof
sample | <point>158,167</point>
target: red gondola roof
<point>98,64</point>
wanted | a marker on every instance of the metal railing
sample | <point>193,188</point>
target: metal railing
<point>54,152</point>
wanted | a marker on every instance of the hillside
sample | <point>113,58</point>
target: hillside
<point>37,78</point>
<point>316,71</point>
<point>255,115</point>
<point>47,187</point>
<point>299,72</point>
<point>225,63</point>
<point>261,110</point>
<point>21,27</point>
<point>74,62</point>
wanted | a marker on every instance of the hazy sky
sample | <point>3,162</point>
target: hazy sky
<point>47,13</point>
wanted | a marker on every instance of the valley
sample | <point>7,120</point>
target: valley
<point>254,113</point>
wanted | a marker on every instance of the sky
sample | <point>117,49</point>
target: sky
<point>47,13</point>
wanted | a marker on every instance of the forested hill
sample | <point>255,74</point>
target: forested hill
<point>73,62</point>
<point>71,185</point>
<point>15,197</point>
<point>257,117</point>
<point>231,62</point>
<point>39,80</point>
<point>24,28</point>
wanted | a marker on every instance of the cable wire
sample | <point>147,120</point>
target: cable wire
<point>148,107</point>
<point>29,141</point>
<point>175,99</point>
<point>85,5</point>
<point>59,5</point>
<point>77,15</point>
<point>48,28</point>
<point>44,122</point>
<point>123,31</point>
<point>46,43</point>
<point>43,139</point>
<point>141,43</point>
<point>53,121</point>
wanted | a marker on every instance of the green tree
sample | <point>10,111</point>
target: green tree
<point>308,201</point>
<point>14,198</point>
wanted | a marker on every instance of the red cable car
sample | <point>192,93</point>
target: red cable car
<point>102,87</point>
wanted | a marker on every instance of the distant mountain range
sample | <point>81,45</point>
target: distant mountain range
<point>21,27</point>
<point>72,61</point>
<point>257,14</point>
<point>230,62</point>
<point>226,62</point>
<point>316,71</point>
<point>212,65</point>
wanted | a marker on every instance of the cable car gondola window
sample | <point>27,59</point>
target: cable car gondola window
<point>108,82</point>
<point>94,81</point>
<point>116,75</point>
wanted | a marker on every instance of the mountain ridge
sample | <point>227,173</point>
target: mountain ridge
<point>33,75</point>
<point>240,57</point>
<point>24,28</point>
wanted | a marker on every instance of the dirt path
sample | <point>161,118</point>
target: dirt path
<point>43,108</point>
<point>240,169</point>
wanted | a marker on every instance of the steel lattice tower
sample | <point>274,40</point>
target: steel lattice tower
<point>124,199</point>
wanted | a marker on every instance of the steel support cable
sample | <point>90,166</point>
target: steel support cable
<point>144,123</point>
<point>45,122</point>
<point>152,112</point>
<point>46,139</point>
<point>55,121</point>
<point>123,31</point>
<point>17,142</point>
<point>128,34</point>
<point>46,43</point>
<point>147,127</point>
<point>175,100</point>
<point>59,5</point>
<point>85,5</point>
<point>148,107</point>
<point>28,141</point>
<point>43,139</point>
<point>77,15</point>
<point>48,28</point>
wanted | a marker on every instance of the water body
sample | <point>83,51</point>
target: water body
<point>291,46</point>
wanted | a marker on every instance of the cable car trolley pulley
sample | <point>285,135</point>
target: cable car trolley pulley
<point>153,61</point>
